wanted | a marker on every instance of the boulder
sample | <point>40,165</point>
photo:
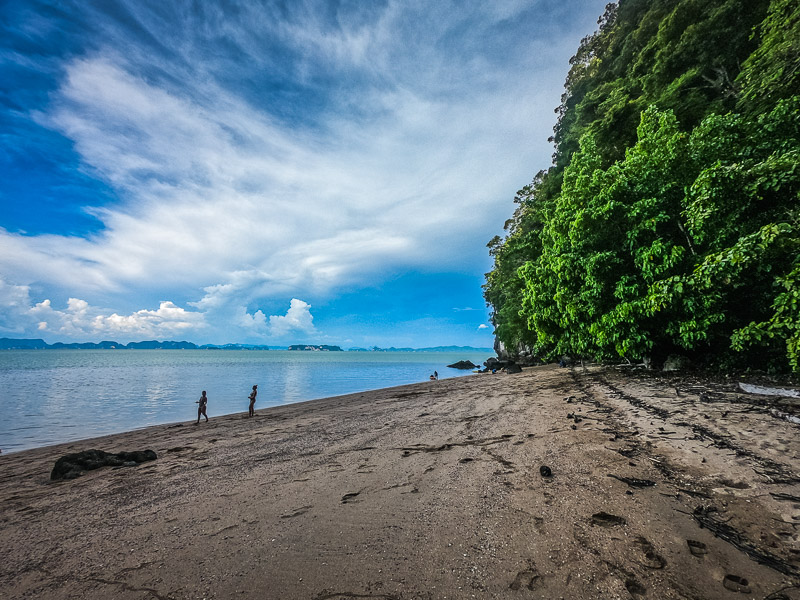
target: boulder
<point>71,466</point>
<point>493,363</point>
<point>463,364</point>
<point>566,361</point>
<point>500,349</point>
<point>513,368</point>
<point>676,362</point>
<point>521,354</point>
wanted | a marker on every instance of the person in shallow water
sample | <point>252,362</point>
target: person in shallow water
<point>253,395</point>
<point>201,407</point>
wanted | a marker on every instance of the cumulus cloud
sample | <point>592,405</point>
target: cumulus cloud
<point>297,319</point>
<point>483,326</point>
<point>78,320</point>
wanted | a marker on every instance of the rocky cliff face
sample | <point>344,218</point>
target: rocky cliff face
<point>522,354</point>
<point>500,349</point>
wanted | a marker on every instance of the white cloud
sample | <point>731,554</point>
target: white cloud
<point>297,319</point>
<point>20,315</point>
<point>14,304</point>
<point>483,326</point>
<point>81,321</point>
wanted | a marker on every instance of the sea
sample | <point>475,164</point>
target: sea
<point>53,396</point>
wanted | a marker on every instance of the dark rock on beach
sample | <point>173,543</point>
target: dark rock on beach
<point>463,364</point>
<point>676,362</point>
<point>71,466</point>
<point>493,363</point>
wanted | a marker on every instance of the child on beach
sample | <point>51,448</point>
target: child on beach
<point>201,408</point>
<point>253,399</point>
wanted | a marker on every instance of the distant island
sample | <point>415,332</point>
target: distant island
<point>314,348</point>
<point>39,344</point>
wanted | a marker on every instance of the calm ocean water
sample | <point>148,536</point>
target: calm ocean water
<point>53,396</point>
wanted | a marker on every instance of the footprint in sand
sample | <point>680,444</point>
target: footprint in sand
<point>604,519</point>
<point>697,548</point>
<point>652,560</point>
<point>735,583</point>
<point>350,497</point>
<point>635,588</point>
<point>296,512</point>
<point>527,579</point>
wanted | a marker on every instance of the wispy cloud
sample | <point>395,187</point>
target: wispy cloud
<point>261,154</point>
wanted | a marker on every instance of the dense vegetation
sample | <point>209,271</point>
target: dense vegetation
<point>669,221</point>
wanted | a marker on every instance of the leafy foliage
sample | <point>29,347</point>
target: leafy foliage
<point>679,231</point>
<point>772,71</point>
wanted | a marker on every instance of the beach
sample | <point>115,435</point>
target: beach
<point>553,483</point>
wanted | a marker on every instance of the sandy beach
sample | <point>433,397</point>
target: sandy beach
<point>661,486</point>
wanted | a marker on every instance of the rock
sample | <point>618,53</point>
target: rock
<point>513,368</point>
<point>463,364</point>
<point>71,466</point>
<point>522,354</point>
<point>676,362</point>
<point>500,349</point>
<point>492,363</point>
<point>545,471</point>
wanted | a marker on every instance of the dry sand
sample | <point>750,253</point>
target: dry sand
<point>429,491</point>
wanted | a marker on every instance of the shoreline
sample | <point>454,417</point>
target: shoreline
<point>427,490</point>
<point>86,442</point>
<point>74,395</point>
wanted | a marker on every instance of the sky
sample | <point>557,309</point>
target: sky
<point>269,172</point>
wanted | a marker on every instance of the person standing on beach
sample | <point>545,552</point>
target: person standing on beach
<point>201,408</point>
<point>253,395</point>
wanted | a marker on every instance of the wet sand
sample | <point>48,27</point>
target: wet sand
<point>661,487</point>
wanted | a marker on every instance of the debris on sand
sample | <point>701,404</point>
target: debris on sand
<point>704,518</point>
<point>767,391</point>
<point>779,414</point>
<point>634,482</point>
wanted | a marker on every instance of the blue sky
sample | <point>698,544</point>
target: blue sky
<point>268,172</point>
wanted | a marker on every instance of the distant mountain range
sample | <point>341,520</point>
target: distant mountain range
<point>38,344</point>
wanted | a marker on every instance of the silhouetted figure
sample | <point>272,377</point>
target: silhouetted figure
<point>201,407</point>
<point>253,395</point>
<point>436,375</point>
